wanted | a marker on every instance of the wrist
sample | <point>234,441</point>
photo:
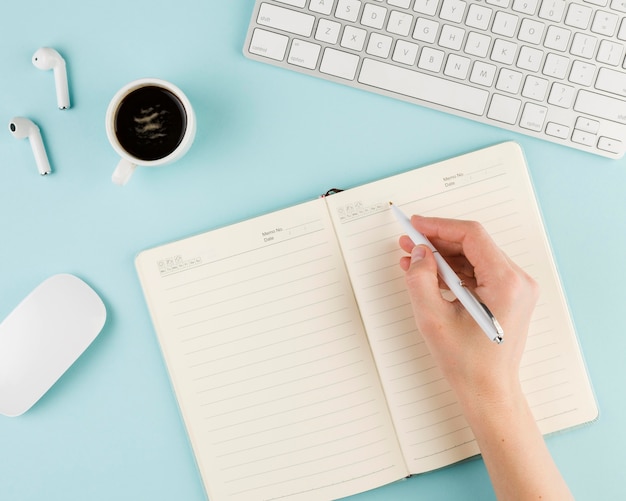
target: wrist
<point>498,401</point>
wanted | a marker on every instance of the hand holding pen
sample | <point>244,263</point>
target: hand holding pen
<point>479,311</point>
<point>484,376</point>
<point>452,334</point>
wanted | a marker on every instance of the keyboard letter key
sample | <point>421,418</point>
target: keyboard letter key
<point>321,6</point>
<point>348,10</point>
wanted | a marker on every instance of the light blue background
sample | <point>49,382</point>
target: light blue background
<point>267,138</point>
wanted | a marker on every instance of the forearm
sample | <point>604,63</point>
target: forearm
<point>515,454</point>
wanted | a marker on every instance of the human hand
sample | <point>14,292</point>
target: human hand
<point>484,375</point>
<point>478,370</point>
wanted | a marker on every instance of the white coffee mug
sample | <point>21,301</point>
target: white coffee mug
<point>149,122</point>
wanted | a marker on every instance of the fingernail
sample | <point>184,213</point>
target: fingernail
<point>418,253</point>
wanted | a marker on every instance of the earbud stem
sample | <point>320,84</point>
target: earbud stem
<point>62,89</point>
<point>41,157</point>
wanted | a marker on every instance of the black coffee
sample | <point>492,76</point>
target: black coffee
<point>150,123</point>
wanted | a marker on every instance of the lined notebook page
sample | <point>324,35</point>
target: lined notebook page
<point>268,358</point>
<point>491,186</point>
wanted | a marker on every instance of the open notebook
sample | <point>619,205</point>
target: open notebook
<point>292,350</point>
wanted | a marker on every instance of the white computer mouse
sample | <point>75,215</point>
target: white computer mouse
<point>43,336</point>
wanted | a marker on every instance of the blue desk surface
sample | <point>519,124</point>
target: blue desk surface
<point>267,138</point>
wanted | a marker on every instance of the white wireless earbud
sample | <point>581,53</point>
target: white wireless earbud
<point>47,58</point>
<point>22,128</point>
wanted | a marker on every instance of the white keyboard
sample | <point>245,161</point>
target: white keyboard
<point>552,69</point>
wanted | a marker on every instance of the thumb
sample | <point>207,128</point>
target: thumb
<point>429,307</point>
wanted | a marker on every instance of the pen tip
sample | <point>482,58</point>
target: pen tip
<point>390,203</point>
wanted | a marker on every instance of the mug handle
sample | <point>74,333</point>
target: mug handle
<point>123,171</point>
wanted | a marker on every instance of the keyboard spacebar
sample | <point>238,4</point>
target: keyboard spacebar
<point>426,87</point>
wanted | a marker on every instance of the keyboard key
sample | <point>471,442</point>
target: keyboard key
<point>295,3</point>
<point>428,7</point>
<point>504,24</point>
<point>535,88</point>
<point>268,44</point>
<point>285,20</point>
<point>348,10</point>
<point>582,73</point>
<point>328,31</point>
<point>555,66</point>
<point>477,44</point>
<point>424,87</point>
<point>552,10</point>
<point>425,30</point>
<point>529,58</point>
<point>405,52</point>
<point>583,45</point>
<point>503,51</point>
<point>379,45</point>
<point>557,130</point>
<point>612,81</point>
<point>353,38</point>
<point>533,117</point>
<point>399,23</point>
<point>509,81</point>
<point>531,31</point>
<point>557,38</point>
<point>504,109</point>
<point>578,16</point>
<point>457,66</point>
<point>478,16</point>
<point>304,54</point>
<point>561,95</point>
<point>605,23</point>
<point>322,6</point>
<point>451,37</point>
<point>525,6</point>
<point>431,59</point>
<point>374,16</point>
<point>582,137</point>
<point>340,64</point>
<point>400,3</point>
<point>610,145</point>
<point>601,106</point>
<point>587,125</point>
<point>452,10</point>
<point>483,73</point>
<point>610,53</point>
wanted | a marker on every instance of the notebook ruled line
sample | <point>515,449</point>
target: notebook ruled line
<point>291,438</point>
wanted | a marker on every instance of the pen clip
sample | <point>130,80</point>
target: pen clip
<point>499,331</point>
<point>499,338</point>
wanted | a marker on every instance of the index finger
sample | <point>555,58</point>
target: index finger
<point>478,246</point>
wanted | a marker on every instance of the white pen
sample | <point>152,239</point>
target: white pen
<point>475,308</point>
